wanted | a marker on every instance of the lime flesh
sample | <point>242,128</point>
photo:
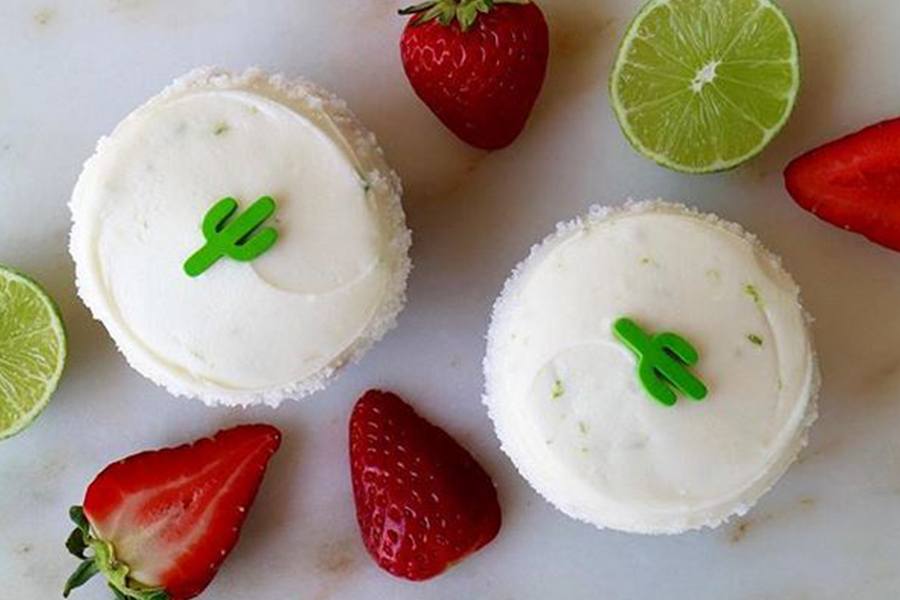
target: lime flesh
<point>704,85</point>
<point>32,351</point>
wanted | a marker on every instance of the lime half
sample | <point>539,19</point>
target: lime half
<point>704,85</point>
<point>32,351</point>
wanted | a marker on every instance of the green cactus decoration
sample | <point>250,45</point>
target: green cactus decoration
<point>240,239</point>
<point>662,362</point>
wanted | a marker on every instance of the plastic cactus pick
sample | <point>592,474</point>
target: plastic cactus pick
<point>663,361</point>
<point>240,239</point>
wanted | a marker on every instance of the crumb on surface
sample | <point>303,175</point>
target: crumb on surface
<point>334,562</point>
<point>742,527</point>
<point>336,558</point>
<point>739,531</point>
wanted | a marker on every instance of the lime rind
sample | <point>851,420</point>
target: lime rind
<point>32,351</point>
<point>735,117</point>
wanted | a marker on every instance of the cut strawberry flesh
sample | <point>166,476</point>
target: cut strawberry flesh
<point>173,515</point>
<point>854,182</point>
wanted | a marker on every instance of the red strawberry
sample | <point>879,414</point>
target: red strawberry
<point>854,183</point>
<point>478,64</point>
<point>159,524</point>
<point>422,502</point>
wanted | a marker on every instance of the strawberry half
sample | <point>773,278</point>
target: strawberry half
<point>422,502</point>
<point>479,65</point>
<point>854,183</point>
<point>159,524</point>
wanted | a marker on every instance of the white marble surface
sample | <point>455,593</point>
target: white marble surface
<point>70,69</point>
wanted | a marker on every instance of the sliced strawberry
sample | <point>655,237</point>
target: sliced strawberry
<point>854,182</point>
<point>479,65</point>
<point>159,524</point>
<point>422,502</point>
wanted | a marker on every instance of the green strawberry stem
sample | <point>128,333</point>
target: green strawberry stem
<point>465,12</point>
<point>102,559</point>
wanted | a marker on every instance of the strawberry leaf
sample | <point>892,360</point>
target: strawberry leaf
<point>440,10</point>
<point>443,12</point>
<point>76,544</point>
<point>87,569</point>
<point>138,594</point>
<point>76,513</point>
<point>417,8</point>
<point>126,589</point>
<point>119,595</point>
<point>80,539</point>
<point>465,12</point>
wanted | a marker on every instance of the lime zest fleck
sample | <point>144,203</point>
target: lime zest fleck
<point>755,339</point>
<point>583,427</point>
<point>751,291</point>
<point>558,390</point>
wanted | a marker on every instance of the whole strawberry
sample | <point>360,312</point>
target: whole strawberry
<point>479,65</point>
<point>158,525</point>
<point>422,502</point>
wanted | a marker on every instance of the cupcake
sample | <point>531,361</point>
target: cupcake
<point>650,369</point>
<point>241,237</point>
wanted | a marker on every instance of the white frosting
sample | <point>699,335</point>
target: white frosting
<point>241,332</point>
<point>565,398</point>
